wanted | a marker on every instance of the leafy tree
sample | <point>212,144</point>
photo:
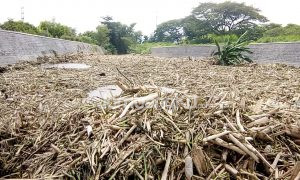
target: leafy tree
<point>228,16</point>
<point>196,31</point>
<point>100,36</point>
<point>56,30</point>
<point>274,32</point>
<point>271,26</point>
<point>290,29</point>
<point>255,33</point>
<point>138,37</point>
<point>121,36</point>
<point>86,39</point>
<point>170,31</point>
<point>145,38</point>
<point>19,26</point>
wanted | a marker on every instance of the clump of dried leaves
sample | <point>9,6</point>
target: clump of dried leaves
<point>213,122</point>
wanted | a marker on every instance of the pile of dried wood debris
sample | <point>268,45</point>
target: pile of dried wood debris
<point>152,132</point>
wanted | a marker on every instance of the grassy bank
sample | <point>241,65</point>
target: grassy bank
<point>145,48</point>
<point>284,38</point>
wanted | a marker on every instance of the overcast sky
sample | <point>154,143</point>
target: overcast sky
<point>85,15</point>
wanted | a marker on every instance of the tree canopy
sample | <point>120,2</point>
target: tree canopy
<point>121,36</point>
<point>170,31</point>
<point>212,18</point>
<point>228,16</point>
<point>19,26</point>
<point>56,30</point>
<point>100,36</point>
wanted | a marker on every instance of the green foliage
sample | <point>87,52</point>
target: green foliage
<point>260,34</point>
<point>255,33</point>
<point>221,19</point>
<point>19,26</point>
<point>290,29</point>
<point>233,52</point>
<point>121,36</point>
<point>228,16</point>
<point>223,38</point>
<point>170,31</point>
<point>196,31</point>
<point>269,26</point>
<point>100,36</point>
<point>70,38</point>
<point>289,33</point>
<point>210,39</point>
<point>86,39</point>
<point>145,48</point>
<point>281,38</point>
<point>56,30</point>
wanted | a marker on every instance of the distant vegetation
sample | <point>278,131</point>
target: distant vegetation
<point>145,47</point>
<point>289,33</point>
<point>19,26</point>
<point>115,37</point>
<point>222,22</point>
<point>206,23</point>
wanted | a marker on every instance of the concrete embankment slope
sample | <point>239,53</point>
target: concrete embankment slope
<point>15,47</point>
<point>286,53</point>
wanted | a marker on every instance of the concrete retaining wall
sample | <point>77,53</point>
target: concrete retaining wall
<point>15,47</point>
<point>287,53</point>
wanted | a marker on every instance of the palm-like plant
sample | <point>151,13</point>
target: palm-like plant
<point>233,53</point>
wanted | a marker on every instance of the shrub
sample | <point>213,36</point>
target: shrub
<point>86,39</point>
<point>233,52</point>
<point>19,26</point>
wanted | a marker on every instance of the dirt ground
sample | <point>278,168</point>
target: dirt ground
<point>31,97</point>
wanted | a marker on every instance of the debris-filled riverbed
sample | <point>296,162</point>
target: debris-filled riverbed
<point>170,119</point>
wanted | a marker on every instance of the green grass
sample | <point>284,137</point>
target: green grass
<point>145,48</point>
<point>222,38</point>
<point>282,38</point>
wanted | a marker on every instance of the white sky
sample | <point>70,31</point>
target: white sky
<point>85,15</point>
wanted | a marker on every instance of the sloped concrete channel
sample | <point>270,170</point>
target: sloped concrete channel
<point>16,47</point>
<point>285,53</point>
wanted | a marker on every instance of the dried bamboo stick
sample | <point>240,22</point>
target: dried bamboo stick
<point>230,124</point>
<point>231,169</point>
<point>274,164</point>
<point>127,135</point>
<point>214,172</point>
<point>166,169</point>
<point>243,147</point>
<point>227,145</point>
<point>263,120</point>
<point>251,148</point>
<point>238,121</point>
<point>212,137</point>
<point>141,100</point>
